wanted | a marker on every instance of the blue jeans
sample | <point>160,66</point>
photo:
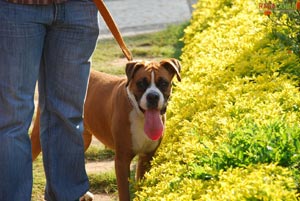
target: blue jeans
<point>52,44</point>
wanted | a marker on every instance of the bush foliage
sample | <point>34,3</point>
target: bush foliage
<point>233,124</point>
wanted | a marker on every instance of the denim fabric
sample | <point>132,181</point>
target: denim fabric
<point>53,44</point>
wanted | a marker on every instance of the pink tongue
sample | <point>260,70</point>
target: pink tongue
<point>153,124</point>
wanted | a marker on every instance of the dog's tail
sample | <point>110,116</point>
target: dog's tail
<point>35,136</point>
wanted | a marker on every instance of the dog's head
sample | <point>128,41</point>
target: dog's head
<point>149,84</point>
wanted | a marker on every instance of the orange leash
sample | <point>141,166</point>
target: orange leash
<point>113,28</point>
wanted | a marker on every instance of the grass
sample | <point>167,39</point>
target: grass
<point>39,180</point>
<point>109,58</point>
<point>103,182</point>
<point>96,153</point>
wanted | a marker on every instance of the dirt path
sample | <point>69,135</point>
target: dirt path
<point>96,167</point>
<point>103,197</point>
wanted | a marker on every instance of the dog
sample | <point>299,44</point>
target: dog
<point>127,114</point>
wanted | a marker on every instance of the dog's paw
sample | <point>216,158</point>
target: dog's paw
<point>88,196</point>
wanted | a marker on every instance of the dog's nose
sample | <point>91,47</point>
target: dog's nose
<point>152,100</point>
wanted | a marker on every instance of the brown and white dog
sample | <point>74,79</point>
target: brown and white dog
<point>126,114</point>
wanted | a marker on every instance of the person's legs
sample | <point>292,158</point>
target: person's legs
<point>21,44</point>
<point>64,73</point>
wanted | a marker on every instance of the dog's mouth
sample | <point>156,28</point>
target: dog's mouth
<point>153,126</point>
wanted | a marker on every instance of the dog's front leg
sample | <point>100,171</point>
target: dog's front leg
<point>143,165</point>
<point>122,166</point>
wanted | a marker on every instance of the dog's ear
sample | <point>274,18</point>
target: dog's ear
<point>131,69</point>
<point>173,66</point>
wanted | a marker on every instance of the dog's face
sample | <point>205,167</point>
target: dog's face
<point>151,82</point>
<point>150,85</point>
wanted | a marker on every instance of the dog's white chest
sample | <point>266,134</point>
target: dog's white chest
<point>140,142</point>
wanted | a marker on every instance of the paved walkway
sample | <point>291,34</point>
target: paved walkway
<point>139,16</point>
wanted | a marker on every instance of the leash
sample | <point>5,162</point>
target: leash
<point>113,28</point>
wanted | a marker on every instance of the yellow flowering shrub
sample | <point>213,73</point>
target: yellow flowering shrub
<point>233,129</point>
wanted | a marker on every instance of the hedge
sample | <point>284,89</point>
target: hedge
<point>233,123</point>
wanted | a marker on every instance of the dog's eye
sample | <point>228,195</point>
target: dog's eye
<point>163,84</point>
<point>142,85</point>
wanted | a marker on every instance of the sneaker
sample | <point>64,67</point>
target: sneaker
<point>88,196</point>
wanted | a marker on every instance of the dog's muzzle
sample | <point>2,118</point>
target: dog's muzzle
<point>152,100</point>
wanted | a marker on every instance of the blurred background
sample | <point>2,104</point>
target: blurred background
<point>142,16</point>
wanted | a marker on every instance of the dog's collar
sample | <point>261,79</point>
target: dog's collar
<point>133,102</point>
